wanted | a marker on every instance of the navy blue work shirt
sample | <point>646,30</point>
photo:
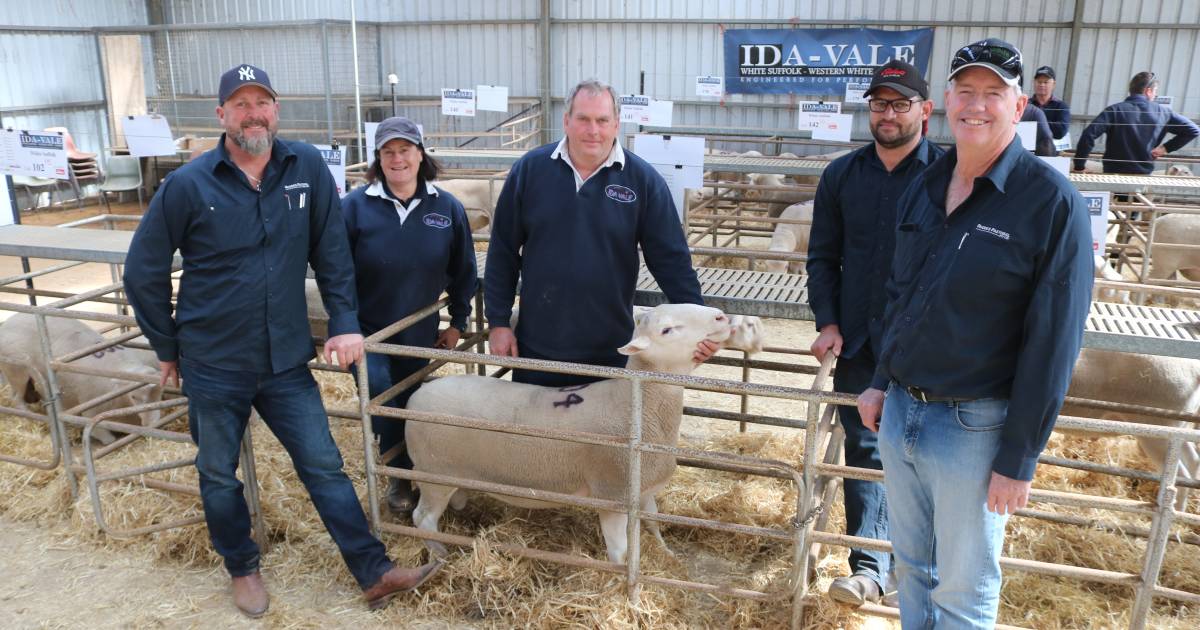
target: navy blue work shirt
<point>990,301</point>
<point>245,256</point>
<point>852,239</point>
<point>1058,115</point>
<point>1134,127</point>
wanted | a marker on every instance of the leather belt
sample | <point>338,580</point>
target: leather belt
<point>926,397</point>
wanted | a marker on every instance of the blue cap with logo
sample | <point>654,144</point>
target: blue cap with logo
<point>239,77</point>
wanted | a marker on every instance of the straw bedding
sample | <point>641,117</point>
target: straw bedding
<point>484,587</point>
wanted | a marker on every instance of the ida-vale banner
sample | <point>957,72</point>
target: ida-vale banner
<point>816,61</point>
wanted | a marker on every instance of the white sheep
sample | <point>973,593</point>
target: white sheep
<point>1176,228</point>
<point>318,319</point>
<point>478,197</point>
<point>779,198</point>
<point>21,355</point>
<point>663,340</point>
<point>1147,380</point>
<point>1106,272</point>
<point>791,237</point>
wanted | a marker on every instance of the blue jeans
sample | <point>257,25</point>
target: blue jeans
<point>866,501</point>
<point>937,458</point>
<point>383,371</point>
<point>289,403</point>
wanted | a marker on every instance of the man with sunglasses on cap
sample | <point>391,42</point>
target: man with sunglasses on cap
<point>248,218</point>
<point>990,286</point>
<point>1137,128</point>
<point>849,259</point>
<point>1058,113</point>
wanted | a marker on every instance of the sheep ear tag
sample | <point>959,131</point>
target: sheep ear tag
<point>635,345</point>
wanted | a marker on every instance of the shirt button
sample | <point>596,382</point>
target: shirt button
<point>266,220</point>
<point>270,269</point>
<point>907,318</point>
<point>920,287</point>
<point>933,255</point>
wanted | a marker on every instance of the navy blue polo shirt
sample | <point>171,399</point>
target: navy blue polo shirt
<point>1134,127</point>
<point>990,302</point>
<point>245,256</point>
<point>576,252</point>
<point>401,266</point>
<point>1058,115</point>
<point>852,239</point>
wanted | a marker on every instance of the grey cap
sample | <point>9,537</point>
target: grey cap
<point>397,127</point>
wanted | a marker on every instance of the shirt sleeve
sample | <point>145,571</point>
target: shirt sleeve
<point>1097,128</point>
<point>148,264</point>
<point>664,245</point>
<point>504,251</point>
<point>329,255</point>
<point>1060,122</point>
<point>825,240</point>
<point>461,269</point>
<point>1054,323</point>
<point>1185,131</point>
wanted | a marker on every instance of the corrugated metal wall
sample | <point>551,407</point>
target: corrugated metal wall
<point>431,44</point>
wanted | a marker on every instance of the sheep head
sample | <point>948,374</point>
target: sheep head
<point>665,338</point>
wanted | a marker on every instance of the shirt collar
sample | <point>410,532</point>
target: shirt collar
<point>616,156</point>
<point>376,189</point>
<point>938,175</point>
<point>920,153</point>
<point>1137,97</point>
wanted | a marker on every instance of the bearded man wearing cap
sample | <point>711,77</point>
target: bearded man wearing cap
<point>1058,113</point>
<point>989,290</point>
<point>248,218</point>
<point>849,259</point>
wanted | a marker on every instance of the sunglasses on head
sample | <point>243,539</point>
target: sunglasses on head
<point>1003,57</point>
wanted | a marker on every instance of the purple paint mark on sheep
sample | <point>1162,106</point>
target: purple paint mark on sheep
<point>571,399</point>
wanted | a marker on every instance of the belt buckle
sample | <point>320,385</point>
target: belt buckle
<point>917,393</point>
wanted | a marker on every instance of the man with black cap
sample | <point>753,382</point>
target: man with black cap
<point>990,287</point>
<point>248,218</point>
<point>849,258</point>
<point>1137,129</point>
<point>1058,113</point>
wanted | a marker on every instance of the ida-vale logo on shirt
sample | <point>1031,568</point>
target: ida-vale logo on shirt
<point>439,221</point>
<point>616,192</point>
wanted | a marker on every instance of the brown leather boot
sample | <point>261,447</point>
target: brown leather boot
<point>399,580</point>
<point>250,595</point>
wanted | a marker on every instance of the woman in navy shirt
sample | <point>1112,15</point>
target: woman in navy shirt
<point>410,242</point>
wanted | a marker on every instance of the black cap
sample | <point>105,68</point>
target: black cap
<point>1045,71</point>
<point>900,76</point>
<point>996,55</point>
<point>240,76</point>
<point>396,127</point>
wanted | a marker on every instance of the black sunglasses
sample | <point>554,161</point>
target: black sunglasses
<point>1003,57</point>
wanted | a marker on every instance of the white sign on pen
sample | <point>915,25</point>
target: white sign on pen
<point>33,154</point>
<point>148,136</point>
<point>856,92</point>
<point>492,98</point>
<point>634,108</point>
<point>679,159</point>
<point>1097,205</point>
<point>1027,130</point>
<point>835,127</point>
<point>1063,143</point>
<point>1058,163</point>
<point>7,212</point>
<point>458,102</point>
<point>335,160</point>
<point>814,113</point>
<point>710,86</point>
<point>1165,101</point>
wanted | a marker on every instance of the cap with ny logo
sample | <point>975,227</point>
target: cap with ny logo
<point>240,76</point>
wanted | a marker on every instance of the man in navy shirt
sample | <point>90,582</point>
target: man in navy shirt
<point>990,287</point>
<point>569,222</point>
<point>1058,113</point>
<point>248,218</point>
<point>1137,129</point>
<point>849,258</point>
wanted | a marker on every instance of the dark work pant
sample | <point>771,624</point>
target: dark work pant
<point>289,403</point>
<point>383,371</point>
<point>553,379</point>
<point>866,501</point>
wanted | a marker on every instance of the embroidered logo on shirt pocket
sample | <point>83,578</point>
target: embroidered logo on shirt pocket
<point>616,192</point>
<point>438,221</point>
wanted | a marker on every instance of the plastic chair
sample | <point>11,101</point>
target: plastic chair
<point>83,166</point>
<point>33,186</point>
<point>124,173</point>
